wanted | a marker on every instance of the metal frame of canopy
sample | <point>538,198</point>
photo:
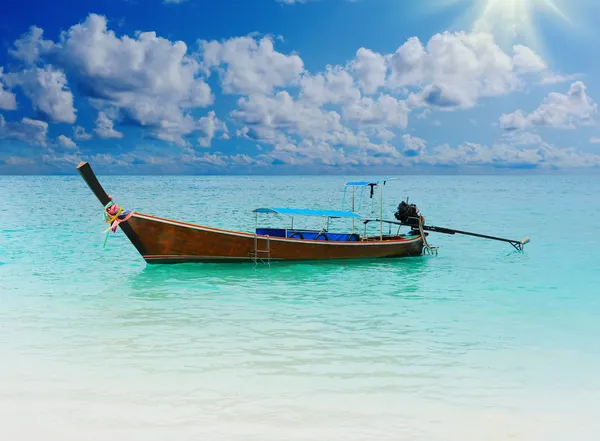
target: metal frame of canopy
<point>363,184</point>
<point>332,214</point>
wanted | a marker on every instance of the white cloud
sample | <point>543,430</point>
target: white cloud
<point>209,125</point>
<point>500,155</point>
<point>80,134</point>
<point>424,114</point>
<point>149,80</point>
<point>282,112</point>
<point>549,77</point>
<point>251,66</point>
<point>386,111</point>
<point>595,140</point>
<point>47,89</point>
<point>334,86</point>
<point>453,70</point>
<point>177,131</point>
<point>105,128</point>
<point>104,159</point>
<point>526,60</point>
<point>27,130</point>
<point>66,142</point>
<point>523,138</point>
<point>18,161</point>
<point>371,70</point>
<point>222,161</point>
<point>329,119</point>
<point>558,110</point>
<point>506,155</point>
<point>346,116</point>
<point>413,146</point>
<point>8,101</point>
<point>385,134</point>
<point>61,160</point>
<point>31,46</point>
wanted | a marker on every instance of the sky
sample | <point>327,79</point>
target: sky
<point>299,86</point>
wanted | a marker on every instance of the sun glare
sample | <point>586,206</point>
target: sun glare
<point>513,17</point>
<point>509,20</point>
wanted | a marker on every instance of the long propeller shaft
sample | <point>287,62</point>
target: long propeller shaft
<point>518,244</point>
<point>414,222</point>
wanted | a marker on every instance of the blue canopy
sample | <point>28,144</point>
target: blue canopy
<point>305,212</point>
<point>368,182</point>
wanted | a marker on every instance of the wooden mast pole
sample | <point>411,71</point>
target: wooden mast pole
<point>381,213</point>
<point>353,208</point>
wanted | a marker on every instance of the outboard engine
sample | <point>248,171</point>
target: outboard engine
<point>408,214</point>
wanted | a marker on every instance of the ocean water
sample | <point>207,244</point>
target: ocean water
<point>478,343</point>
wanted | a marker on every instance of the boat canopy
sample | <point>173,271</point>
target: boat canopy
<point>368,182</point>
<point>306,212</point>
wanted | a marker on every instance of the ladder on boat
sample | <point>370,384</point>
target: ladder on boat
<point>258,255</point>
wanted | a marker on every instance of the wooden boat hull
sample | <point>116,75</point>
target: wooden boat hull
<point>161,241</point>
<point>164,241</point>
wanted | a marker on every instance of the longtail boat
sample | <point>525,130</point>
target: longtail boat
<point>166,241</point>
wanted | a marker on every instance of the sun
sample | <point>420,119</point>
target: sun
<point>509,20</point>
<point>513,18</point>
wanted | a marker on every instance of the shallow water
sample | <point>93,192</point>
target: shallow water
<point>478,343</point>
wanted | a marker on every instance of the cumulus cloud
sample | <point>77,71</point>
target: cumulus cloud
<point>386,111</point>
<point>497,155</point>
<point>105,128</point>
<point>558,110</point>
<point>372,94</point>
<point>282,112</point>
<point>60,160</point>
<point>526,60</point>
<point>31,46</point>
<point>209,125</point>
<point>251,66</point>
<point>66,142</point>
<point>27,130</point>
<point>413,146</point>
<point>371,70</point>
<point>523,138</point>
<point>348,115</point>
<point>507,155</point>
<point>455,69</point>
<point>150,80</point>
<point>8,101</point>
<point>80,134</point>
<point>47,89</point>
<point>549,77</point>
<point>334,86</point>
<point>357,106</point>
<point>222,161</point>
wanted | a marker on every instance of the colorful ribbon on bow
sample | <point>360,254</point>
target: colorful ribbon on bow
<point>114,215</point>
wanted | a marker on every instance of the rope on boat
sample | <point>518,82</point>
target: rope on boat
<point>114,215</point>
<point>430,250</point>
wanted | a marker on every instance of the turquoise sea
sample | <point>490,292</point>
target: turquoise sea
<point>479,343</point>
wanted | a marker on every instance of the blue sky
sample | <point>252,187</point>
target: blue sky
<point>314,86</point>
